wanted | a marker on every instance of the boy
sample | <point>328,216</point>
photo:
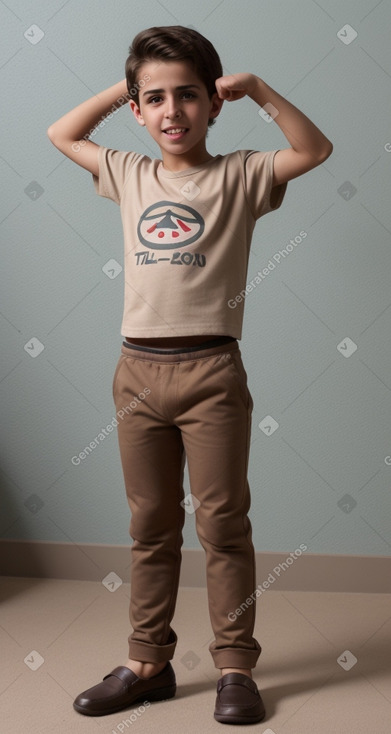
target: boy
<point>188,221</point>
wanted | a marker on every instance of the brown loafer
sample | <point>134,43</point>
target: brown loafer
<point>122,688</point>
<point>238,700</point>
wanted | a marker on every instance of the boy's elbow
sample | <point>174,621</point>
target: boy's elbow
<point>50,132</point>
<point>54,137</point>
<point>326,152</point>
<point>54,134</point>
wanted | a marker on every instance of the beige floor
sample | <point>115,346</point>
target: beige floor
<point>78,632</point>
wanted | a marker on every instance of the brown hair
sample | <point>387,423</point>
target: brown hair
<point>173,43</point>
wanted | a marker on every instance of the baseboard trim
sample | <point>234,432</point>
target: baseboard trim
<point>278,571</point>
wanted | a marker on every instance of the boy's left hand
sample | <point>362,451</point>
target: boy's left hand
<point>235,86</point>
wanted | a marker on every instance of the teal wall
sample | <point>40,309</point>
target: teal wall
<point>316,341</point>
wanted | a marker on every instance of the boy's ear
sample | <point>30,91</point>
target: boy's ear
<point>136,112</point>
<point>216,105</point>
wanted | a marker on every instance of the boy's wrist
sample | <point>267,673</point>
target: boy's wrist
<point>257,90</point>
<point>123,87</point>
<point>119,94</point>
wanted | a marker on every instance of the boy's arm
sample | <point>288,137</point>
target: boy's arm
<point>69,133</point>
<point>309,147</point>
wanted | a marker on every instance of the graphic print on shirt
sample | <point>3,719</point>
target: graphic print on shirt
<point>168,225</point>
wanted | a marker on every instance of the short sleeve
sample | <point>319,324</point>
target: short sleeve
<point>114,169</point>
<point>261,195</point>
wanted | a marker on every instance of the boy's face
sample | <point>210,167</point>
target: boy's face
<point>163,105</point>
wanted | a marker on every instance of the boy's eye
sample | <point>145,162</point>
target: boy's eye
<point>190,94</point>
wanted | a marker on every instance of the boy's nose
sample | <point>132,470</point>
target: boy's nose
<point>172,109</point>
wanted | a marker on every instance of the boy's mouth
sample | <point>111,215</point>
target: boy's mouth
<point>175,133</point>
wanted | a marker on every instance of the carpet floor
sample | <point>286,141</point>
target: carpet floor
<point>325,665</point>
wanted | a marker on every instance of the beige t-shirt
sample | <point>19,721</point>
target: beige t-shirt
<point>187,238</point>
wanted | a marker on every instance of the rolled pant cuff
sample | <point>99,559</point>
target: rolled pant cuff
<point>235,657</point>
<point>148,653</point>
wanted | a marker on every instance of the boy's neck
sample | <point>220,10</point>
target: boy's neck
<point>190,159</point>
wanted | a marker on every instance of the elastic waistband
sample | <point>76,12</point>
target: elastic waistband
<point>180,354</point>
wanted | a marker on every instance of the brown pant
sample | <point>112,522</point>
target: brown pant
<point>192,404</point>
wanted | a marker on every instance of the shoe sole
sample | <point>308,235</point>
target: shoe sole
<point>160,694</point>
<point>232,719</point>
